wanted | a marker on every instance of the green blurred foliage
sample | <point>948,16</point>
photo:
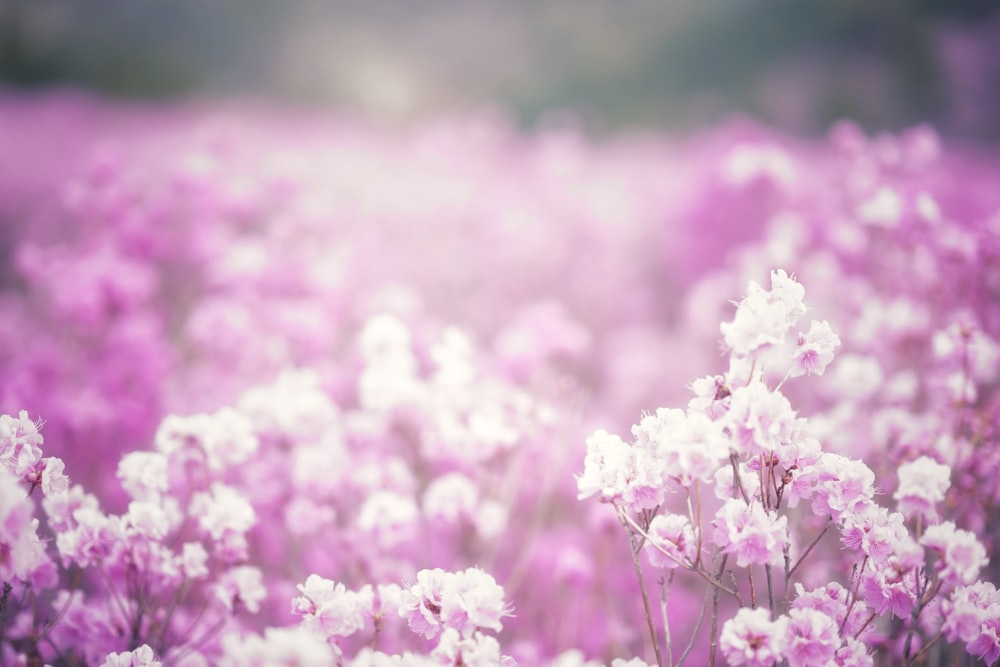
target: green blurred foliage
<point>799,65</point>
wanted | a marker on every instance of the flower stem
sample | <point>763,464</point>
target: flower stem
<point>645,597</point>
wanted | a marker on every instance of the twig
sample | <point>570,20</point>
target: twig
<point>689,566</point>
<point>808,550</point>
<point>645,598</point>
<point>664,599</point>
<point>714,642</point>
<point>694,631</point>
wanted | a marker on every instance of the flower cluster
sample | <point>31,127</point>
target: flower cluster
<point>404,410</point>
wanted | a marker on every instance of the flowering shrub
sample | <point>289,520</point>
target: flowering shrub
<point>286,390</point>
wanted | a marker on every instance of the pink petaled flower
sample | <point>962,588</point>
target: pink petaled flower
<point>451,498</point>
<point>143,474</point>
<point>987,644</point>
<point>473,600</point>
<point>841,485</point>
<point>47,473</point>
<point>967,608</point>
<point>671,533</point>
<point>19,443</point>
<point>751,638</point>
<point>750,532</point>
<point>811,640</point>
<point>686,446</point>
<point>92,539</point>
<point>60,507</point>
<point>961,555</point>
<point>831,600</point>
<point>634,662</point>
<point>420,604</point>
<point>922,484</point>
<point>222,510</point>
<point>140,657</point>
<point>220,439</point>
<point>814,351</point>
<point>877,533</point>
<point>891,586</point>
<point>279,647</point>
<point>760,420</point>
<point>329,608</point>
<point>711,396</point>
<point>476,650</point>
<point>605,467</point>
<point>147,519</point>
<point>21,552</point>
<point>620,472</point>
<point>241,588</point>
<point>193,560</point>
<point>853,654</point>
<point>463,601</point>
<point>764,318</point>
<point>389,517</point>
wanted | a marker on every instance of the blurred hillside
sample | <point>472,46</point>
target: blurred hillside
<point>798,65</point>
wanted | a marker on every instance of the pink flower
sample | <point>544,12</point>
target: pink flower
<point>621,472</point>
<point>760,420</point>
<point>222,510</point>
<point>853,654</point>
<point>748,531</point>
<point>987,644</point>
<point>473,600</point>
<point>671,533</point>
<point>140,657</point>
<point>279,647</point>
<point>961,556</point>
<point>814,350</point>
<point>922,484</point>
<point>763,318</point>
<point>143,474</point>
<point>811,639</point>
<point>241,588</point>
<point>967,608</point>
<point>687,446</point>
<point>475,650</point>
<point>751,638</point>
<point>329,608</point>
<point>462,601</point>
<point>876,533</point>
<point>840,485</point>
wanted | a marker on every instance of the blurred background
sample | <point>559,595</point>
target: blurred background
<point>798,65</point>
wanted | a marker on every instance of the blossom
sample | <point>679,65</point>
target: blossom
<point>811,638</point>
<point>967,609</point>
<point>621,472</point>
<point>241,588</point>
<point>814,350</point>
<point>961,555</point>
<point>671,533</point>
<point>760,420</point>
<point>686,446</point>
<point>278,647</point>
<point>476,650</point>
<point>461,601</point>
<point>140,657</point>
<point>450,498</point>
<point>751,638</point>
<point>750,532</point>
<point>764,317</point>
<point>922,484</point>
<point>329,608</point>
<point>143,474</point>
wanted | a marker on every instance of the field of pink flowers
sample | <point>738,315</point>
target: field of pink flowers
<point>282,388</point>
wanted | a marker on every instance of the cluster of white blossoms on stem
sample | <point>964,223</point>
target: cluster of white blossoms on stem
<point>745,435</point>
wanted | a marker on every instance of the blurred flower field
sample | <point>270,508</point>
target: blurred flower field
<point>290,388</point>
